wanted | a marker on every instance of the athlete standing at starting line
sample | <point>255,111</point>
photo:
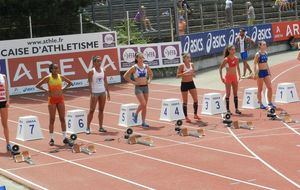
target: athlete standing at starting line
<point>231,62</point>
<point>262,74</point>
<point>142,75</point>
<point>99,90</point>
<point>187,72</point>
<point>55,99</point>
<point>4,104</point>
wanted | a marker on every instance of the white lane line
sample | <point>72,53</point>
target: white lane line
<point>291,128</point>
<point>84,166</point>
<point>161,138</point>
<point>263,161</point>
<point>22,179</point>
<point>148,157</point>
<point>236,183</point>
<point>283,72</point>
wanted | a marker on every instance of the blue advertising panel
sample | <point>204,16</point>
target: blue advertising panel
<point>2,66</point>
<point>260,32</point>
<point>207,43</point>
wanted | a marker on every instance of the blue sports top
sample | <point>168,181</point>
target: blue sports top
<point>140,72</point>
<point>263,58</point>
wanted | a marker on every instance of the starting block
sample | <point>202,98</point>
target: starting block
<point>21,156</point>
<point>76,121</point>
<point>171,110</point>
<point>81,149</point>
<point>194,133</point>
<point>29,128</point>
<point>286,118</point>
<point>243,125</point>
<point>137,139</point>
<point>212,104</point>
<point>126,118</point>
<point>286,93</point>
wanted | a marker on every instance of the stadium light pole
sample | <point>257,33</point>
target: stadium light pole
<point>30,26</point>
<point>80,20</point>
<point>128,27</point>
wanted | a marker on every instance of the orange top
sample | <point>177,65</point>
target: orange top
<point>55,89</point>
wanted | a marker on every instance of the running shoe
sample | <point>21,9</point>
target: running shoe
<point>8,147</point>
<point>66,141</point>
<point>262,107</point>
<point>51,142</point>
<point>88,131</point>
<point>238,112</point>
<point>229,112</point>
<point>102,130</point>
<point>145,125</point>
<point>135,117</point>
<point>272,105</point>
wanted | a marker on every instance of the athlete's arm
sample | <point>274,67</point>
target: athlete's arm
<point>128,74</point>
<point>221,69</point>
<point>255,63</point>
<point>68,81</point>
<point>238,69</point>
<point>150,74</point>
<point>6,91</point>
<point>106,87</point>
<point>39,85</point>
<point>90,79</point>
<point>180,72</point>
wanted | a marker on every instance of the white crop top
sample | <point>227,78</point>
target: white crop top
<point>98,81</point>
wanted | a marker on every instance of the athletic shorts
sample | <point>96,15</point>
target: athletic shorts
<point>230,78</point>
<point>141,89</point>
<point>263,73</point>
<point>244,56</point>
<point>185,86</point>
<point>55,100</point>
<point>3,104</point>
<point>98,94</point>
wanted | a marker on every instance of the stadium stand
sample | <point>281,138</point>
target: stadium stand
<point>207,14</point>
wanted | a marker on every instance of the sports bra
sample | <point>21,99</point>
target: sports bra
<point>185,69</point>
<point>263,58</point>
<point>232,62</point>
<point>140,72</point>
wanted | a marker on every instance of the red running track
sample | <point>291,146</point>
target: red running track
<point>264,158</point>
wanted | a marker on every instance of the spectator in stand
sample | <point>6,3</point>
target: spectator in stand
<point>141,17</point>
<point>250,13</point>
<point>181,26</point>
<point>281,4</point>
<point>101,2</point>
<point>291,4</point>
<point>292,44</point>
<point>184,5</point>
<point>228,12</point>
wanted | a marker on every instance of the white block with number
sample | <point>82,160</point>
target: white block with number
<point>29,128</point>
<point>76,121</point>
<point>250,98</point>
<point>126,115</point>
<point>286,93</point>
<point>212,104</point>
<point>171,110</point>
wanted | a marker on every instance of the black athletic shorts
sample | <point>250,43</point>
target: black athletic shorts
<point>3,104</point>
<point>185,86</point>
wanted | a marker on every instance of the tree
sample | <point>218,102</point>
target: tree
<point>49,17</point>
<point>136,36</point>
